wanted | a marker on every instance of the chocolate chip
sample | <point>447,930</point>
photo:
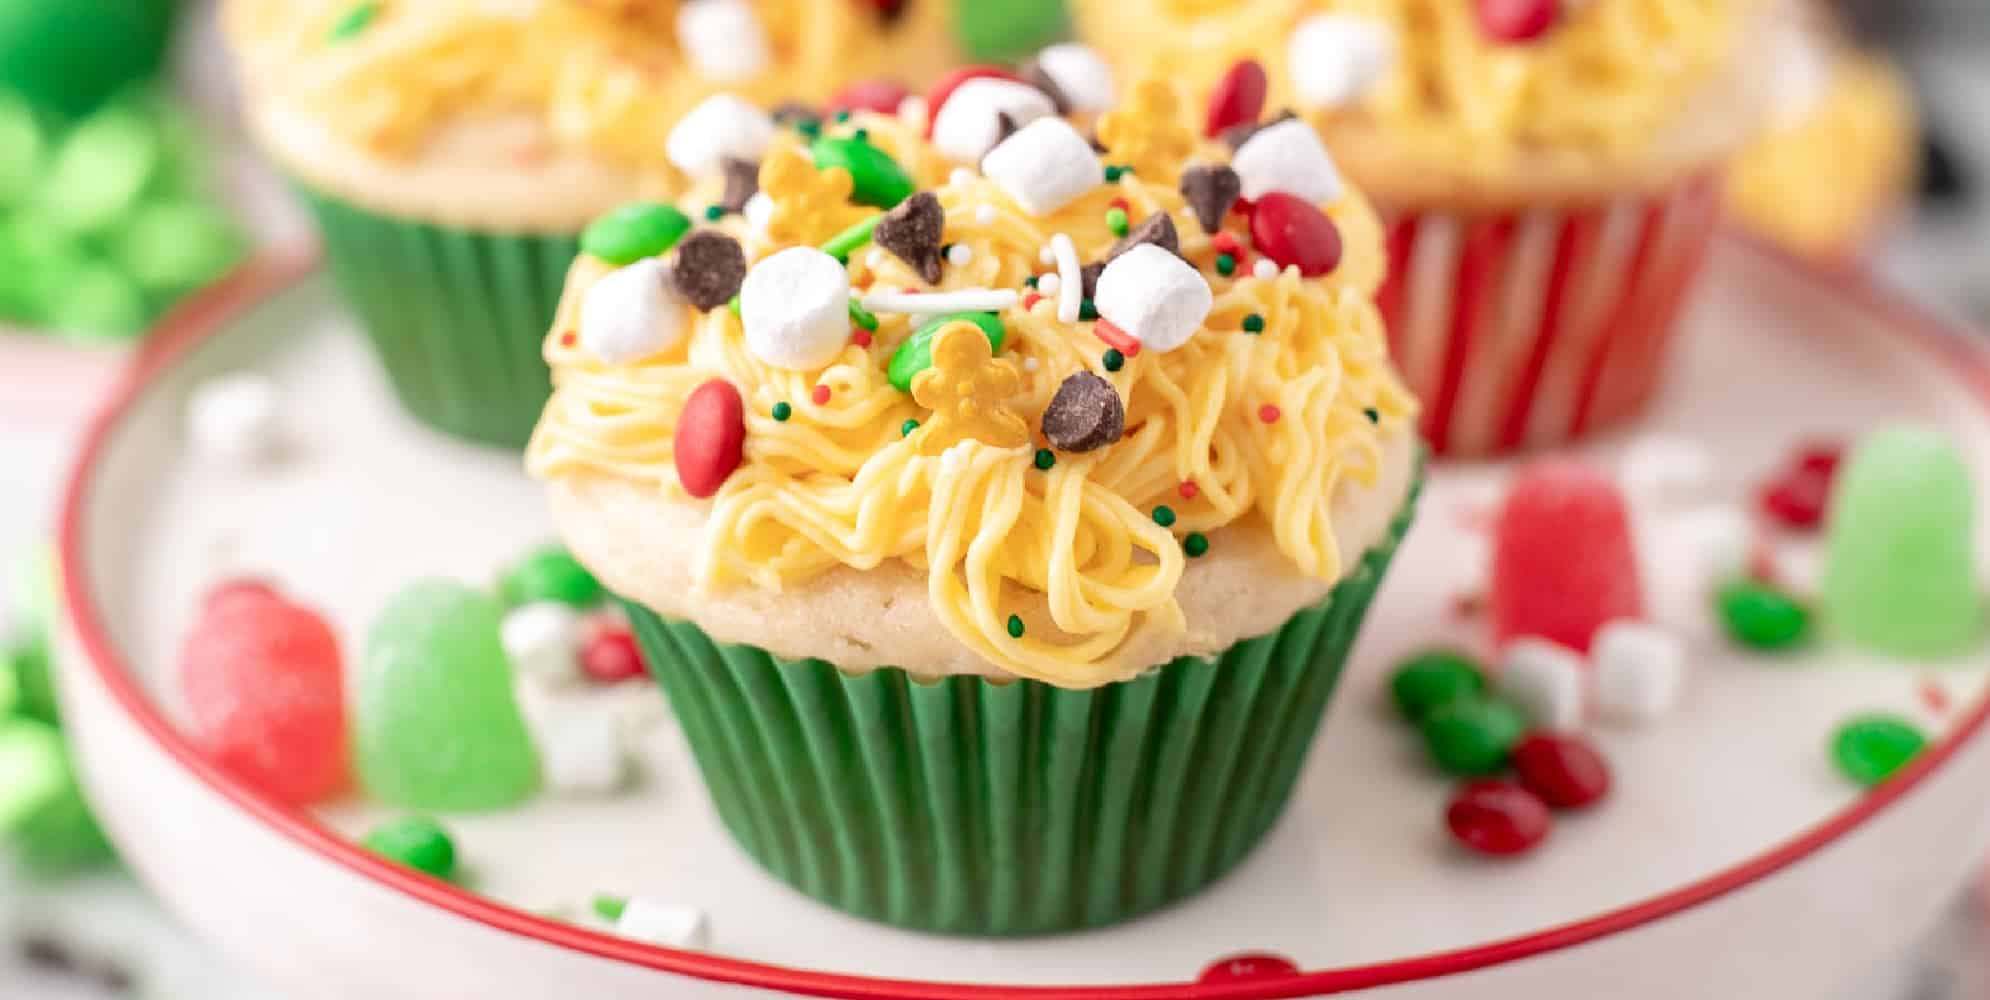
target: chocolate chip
<point>1158,229</point>
<point>1237,135</point>
<point>742,183</point>
<point>1005,126</point>
<point>1089,278</point>
<point>788,113</point>
<point>40,951</point>
<point>1211,191</point>
<point>708,268</point>
<point>1097,146</point>
<point>1034,75</point>
<point>1085,414</point>
<point>912,233</point>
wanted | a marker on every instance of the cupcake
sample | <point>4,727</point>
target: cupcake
<point>996,523</point>
<point>452,150</point>
<point>1548,170</point>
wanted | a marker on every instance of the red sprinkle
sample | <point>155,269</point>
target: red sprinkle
<point>1934,696</point>
<point>820,394</point>
<point>1498,818</point>
<point>1564,770</point>
<point>1121,203</point>
<point>1116,338</point>
<point>1249,967</point>
<point>569,338</point>
<point>1238,98</point>
<point>1269,413</point>
<point>1797,500</point>
<point>611,655</point>
<point>711,437</point>
<point>1468,605</point>
<point>1292,231</point>
<point>860,337</point>
<point>1030,301</point>
<point>1188,489</point>
<point>1516,21</point>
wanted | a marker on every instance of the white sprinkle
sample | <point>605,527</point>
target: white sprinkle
<point>542,641</point>
<point>912,112</point>
<point>1046,255</point>
<point>1071,283</point>
<point>874,259</point>
<point>935,303</point>
<point>1029,364</point>
<point>960,254</point>
<point>961,176</point>
<point>234,417</point>
<point>668,924</point>
<point>985,215</point>
<point>1265,268</point>
<point>723,39</point>
<point>1047,285</point>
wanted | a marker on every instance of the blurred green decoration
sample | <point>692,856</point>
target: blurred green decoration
<point>1009,31</point>
<point>71,55</point>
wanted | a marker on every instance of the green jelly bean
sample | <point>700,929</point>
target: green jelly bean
<point>99,171</point>
<point>417,842</point>
<point>1762,617</point>
<point>634,231</point>
<point>550,574</point>
<point>1872,748</point>
<point>98,302</point>
<point>1473,736</point>
<point>876,178</point>
<point>1429,681</point>
<point>177,245</point>
<point>916,354</point>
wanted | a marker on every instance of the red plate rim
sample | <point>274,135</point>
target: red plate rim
<point>210,313</point>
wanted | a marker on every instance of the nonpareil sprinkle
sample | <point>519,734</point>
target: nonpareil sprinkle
<point>782,411</point>
<point>1196,544</point>
<point>1164,516</point>
<point>1254,323</point>
<point>1045,458</point>
<point>1015,627</point>
<point>1113,360</point>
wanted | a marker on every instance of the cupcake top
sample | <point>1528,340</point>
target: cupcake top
<point>473,107</point>
<point>1064,417</point>
<point>1470,100</point>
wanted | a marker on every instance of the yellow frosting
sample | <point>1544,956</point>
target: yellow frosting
<point>1074,551</point>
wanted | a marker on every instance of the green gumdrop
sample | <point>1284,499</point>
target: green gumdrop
<point>417,842</point>
<point>44,822</point>
<point>97,302</point>
<point>99,171</point>
<point>1432,680</point>
<point>174,246</point>
<point>1009,31</point>
<point>70,55</point>
<point>1900,557</point>
<point>1473,736</point>
<point>436,725</point>
<point>916,354</point>
<point>876,179</point>
<point>1871,748</point>
<point>551,574</point>
<point>634,231</point>
<point>22,148</point>
<point>1762,617</point>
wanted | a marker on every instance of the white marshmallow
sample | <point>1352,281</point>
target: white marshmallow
<point>1335,58</point>
<point>581,752</point>
<point>1080,72</point>
<point>668,924</point>
<point>1720,537</point>
<point>795,306</point>
<point>234,417</point>
<point>723,39</point>
<point>1287,157</point>
<point>1545,679</point>
<point>1156,297</point>
<point>542,640</point>
<point>723,125</point>
<point>1666,469</point>
<point>1044,166</point>
<point>632,313</point>
<point>1639,671</point>
<point>969,124</point>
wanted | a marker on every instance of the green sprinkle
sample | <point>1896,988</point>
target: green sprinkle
<point>1226,265</point>
<point>1164,516</point>
<point>1254,323</point>
<point>1113,360</point>
<point>733,304</point>
<point>1114,172</point>
<point>1015,627</point>
<point>1045,458</point>
<point>850,239</point>
<point>1374,415</point>
<point>1088,310</point>
<point>861,135</point>
<point>352,22</point>
<point>844,116</point>
<point>634,231</point>
<point>905,429</point>
<point>1030,281</point>
<point>810,128</point>
<point>416,842</point>
<point>1116,221</point>
<point>609,908</point>
<point>714,213</point>
<point>782,411</point>
<point>863,317</point>
<point>1196,544</point>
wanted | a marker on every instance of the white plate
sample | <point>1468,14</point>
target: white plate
<point>1730,860</point>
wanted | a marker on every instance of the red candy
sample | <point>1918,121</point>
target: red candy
<point>881,96</point>
<point>246,589</point>
<point>263,683</point>
<point>937,96</point>
<point>1516,21</point>
<point>1565,771</point>
<point>1564,563</point>
<point>711,437</point>
<point>1238,98</point>
<point>1798,498</point>
<point>1498,818</point>
<point>1250,967</point>
<point>611,656</point>
<point>1292,231</point>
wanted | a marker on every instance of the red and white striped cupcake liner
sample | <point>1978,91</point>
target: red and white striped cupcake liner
<point>1531,329</point>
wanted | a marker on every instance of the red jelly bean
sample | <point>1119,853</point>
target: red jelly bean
<point>611,655</point>
<point>881,96</point>
<point>711,437</point>
<point>1498,818</point>
<point>1238,98</point>
<point>936,98</point>
<point>1517,21</point>
<point>1293,231</point>
<point>262,681</point>
<point>1564,562</point>
<point>1255,966</point>
<point>1564,770</point>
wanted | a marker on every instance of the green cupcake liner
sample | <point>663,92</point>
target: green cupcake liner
<point>972,807</point>
<point>456,315</point>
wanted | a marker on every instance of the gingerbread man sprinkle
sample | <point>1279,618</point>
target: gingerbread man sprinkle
<point>968,390</point>
<point>1147,133</point>
<point>810,205</point>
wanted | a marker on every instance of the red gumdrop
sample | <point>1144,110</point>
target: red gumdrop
<point>1255,966</point>
<point>611,656</point>
<point>1498,818</point>
<point>1292,231</point>
<point>936,97</point>
<point>881,96</point>
<point>1517,21</point>
<point>711,437</point>
<point>1564,770</point>
<point>1238,98</point>
<point>1564,561</point>
<point>263,685</point>
<point>246,589</point>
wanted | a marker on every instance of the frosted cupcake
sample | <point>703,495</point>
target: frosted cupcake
<point>452,150</point>
<point>1547,168</point>
<point>1001,548</point>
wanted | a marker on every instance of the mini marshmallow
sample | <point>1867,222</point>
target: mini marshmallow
<point>632,313</point>
<point>1639,671</point>
<point>668,924</point>
<point>1158,298</point>
<point>937,303</point>
<point>1666,469</point>
<point>582,753</point>
<point>1545,679</point>
<point>970,124</point>
<point>234,417</point>
<point>1335,58</point>
<point>1720,538</point>
<point>795,306</point>
<point>723,125</point>
<point>542,641</point>
<point>1044,166</point>
<point>1081,74</point>
<point>1287,157</point>
<point>723,39</point>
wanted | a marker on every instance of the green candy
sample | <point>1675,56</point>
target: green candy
<point>551,574</point>
<point>609,908</point>
<point>1762,617</point>
<point>876,178</point>
<point>634,231</point>
<point>99,171</point>
<point>352,22</point>
<point>1009,31</point>
<point>916,354</point>
<point>173,246</point>
<point>1473,736</point>
<point>417,842</point>
<point>71,55</point>
<point>1429,681</point>
<point>96,301</point>
<point>1871,748</point>
<point>22,149</point>
<point>44,821</point>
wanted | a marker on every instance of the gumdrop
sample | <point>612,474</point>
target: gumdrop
<point>436,724</point>
<point>44,822</point>
<point>1564,563</point>
<point>1900,558</point>
<point>263,684</point>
